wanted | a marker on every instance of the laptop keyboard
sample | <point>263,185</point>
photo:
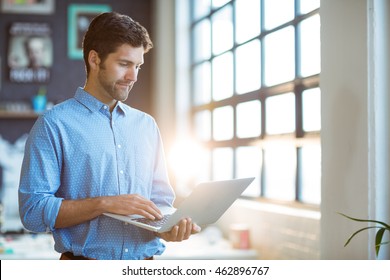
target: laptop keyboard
<point>155,223</point>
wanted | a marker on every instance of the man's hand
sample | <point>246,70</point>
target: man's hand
<point>182,231</point>
<point>130,204</point>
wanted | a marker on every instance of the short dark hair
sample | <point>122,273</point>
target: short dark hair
<point>108,31</point>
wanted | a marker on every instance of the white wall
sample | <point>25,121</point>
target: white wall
<point>344,133</point>
<point>379,104</point>
<point>352,130</point>
<point>164,73</point>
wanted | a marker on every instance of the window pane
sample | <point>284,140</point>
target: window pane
<point>248,164</point>
<point>200,8</point>
<point>249,119</point>
<point>277,12</point>
<point>230,63</point>
<point>201,42</point>
<point>279,56</point>
<point>280,168</point>
<point>222,164</point>
<point>223,123</point>
<point>309,5</point>
<point>222,30</point>
<point>219,3</point>
<point>203,125</point>
<point>311,174</point>
<point>202,83</point>
<point>280,114</point>
<point>310,46</point>
<point>248,67</point>
<point>247,19</point>
<point>222,76</point>
<point>311,106</point>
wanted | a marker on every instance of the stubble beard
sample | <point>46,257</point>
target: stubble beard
<point>119,93</point>
<point>114,89</point>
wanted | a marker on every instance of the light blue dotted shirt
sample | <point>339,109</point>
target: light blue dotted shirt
<point>79,150</point>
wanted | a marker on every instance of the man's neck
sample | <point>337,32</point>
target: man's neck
<point>111,103</point>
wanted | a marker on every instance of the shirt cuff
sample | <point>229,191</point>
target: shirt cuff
<point>52,208</point>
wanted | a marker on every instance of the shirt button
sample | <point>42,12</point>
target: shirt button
<point>119,146</point>
<point>126,250</point>
<point>105,107</point>
<point>121,172</point>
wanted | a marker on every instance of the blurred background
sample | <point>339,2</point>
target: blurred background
<point>292,92</point>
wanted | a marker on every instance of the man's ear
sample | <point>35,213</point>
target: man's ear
<point>93,59</point>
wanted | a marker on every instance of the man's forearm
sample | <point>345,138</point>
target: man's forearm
<point>74,212</point>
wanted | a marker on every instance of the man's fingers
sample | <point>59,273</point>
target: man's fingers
<point>195,229</point>
<point>184,230</point>
<point>149,213</point>
<point>181,231</point>
<point>188,229</point>
<point>149,210</point>
<point>145,207</point>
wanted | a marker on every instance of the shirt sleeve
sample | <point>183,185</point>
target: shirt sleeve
<point>162,191</point>
<point>40,178</point>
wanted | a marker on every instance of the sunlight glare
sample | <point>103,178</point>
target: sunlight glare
<point>189,161</point>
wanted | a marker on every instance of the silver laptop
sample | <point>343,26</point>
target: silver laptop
<point>205,205</point>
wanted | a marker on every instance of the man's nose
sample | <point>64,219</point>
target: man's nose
<point>132,74</point>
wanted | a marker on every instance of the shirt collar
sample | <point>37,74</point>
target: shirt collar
<point>121,107</point>
<point>94,104</point>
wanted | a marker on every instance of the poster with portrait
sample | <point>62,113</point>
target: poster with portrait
<point>30,52</point>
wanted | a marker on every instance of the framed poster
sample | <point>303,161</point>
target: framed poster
<point>79,17</point>
<point>30,52</point>
<point>27,6</point>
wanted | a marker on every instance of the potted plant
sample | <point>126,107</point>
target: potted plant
<point>379,225</point>
<point>39,101</point>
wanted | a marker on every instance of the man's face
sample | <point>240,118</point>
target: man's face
<point>118,73</point>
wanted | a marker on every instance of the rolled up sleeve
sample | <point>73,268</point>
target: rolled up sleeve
<point>40,179</point>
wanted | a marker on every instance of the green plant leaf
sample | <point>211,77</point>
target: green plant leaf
<point>366,221</point>
<point>381,226</point>
<point>355,233</point>
<point>378,240</point>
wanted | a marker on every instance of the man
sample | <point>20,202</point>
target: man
<point>93,154</point>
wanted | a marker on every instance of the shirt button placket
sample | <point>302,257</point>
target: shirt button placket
<point>119,156</point>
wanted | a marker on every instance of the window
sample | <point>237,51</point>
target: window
<point>256,100</point>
